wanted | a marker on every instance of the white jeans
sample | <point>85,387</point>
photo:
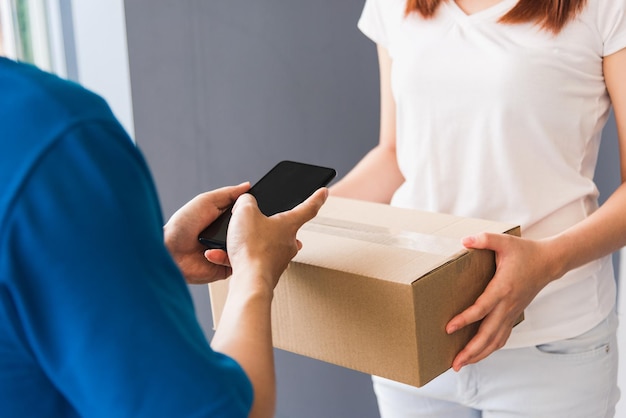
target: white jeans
<point>572,378</point>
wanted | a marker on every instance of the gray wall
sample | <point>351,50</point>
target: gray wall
<point>222,90</point>
<point>608,171</point>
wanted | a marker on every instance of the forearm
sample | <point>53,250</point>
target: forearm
<point>375,178</point>
<point>244,333</point>
<point>600,234</point>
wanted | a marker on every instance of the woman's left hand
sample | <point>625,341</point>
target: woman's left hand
<point>522,269</point>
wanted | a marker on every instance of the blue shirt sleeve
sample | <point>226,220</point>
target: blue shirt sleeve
<point>93,296</point>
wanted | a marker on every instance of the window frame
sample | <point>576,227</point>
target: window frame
<point>40,21</point>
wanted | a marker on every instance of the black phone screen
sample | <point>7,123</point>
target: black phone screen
<point>284,187</point>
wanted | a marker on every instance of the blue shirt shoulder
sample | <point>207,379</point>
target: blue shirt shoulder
<point>95,317</point>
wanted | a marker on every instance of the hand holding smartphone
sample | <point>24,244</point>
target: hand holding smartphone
<point>284,187</point>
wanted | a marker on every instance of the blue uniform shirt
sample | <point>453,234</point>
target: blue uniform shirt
<point>95,318</point>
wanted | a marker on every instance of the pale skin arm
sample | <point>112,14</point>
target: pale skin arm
<point>377,176</point>
<point>524,267</point>
<point>259,250</point>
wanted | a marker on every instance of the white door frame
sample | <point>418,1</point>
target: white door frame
<point>102,54</point>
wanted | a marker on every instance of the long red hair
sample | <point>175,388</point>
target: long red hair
<point>551,15</point>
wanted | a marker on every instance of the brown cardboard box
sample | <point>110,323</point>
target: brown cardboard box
<point>374,286</point>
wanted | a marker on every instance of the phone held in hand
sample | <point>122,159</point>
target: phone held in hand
<point>284,187</point>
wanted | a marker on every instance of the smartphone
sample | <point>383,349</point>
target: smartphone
<point>284,187</point>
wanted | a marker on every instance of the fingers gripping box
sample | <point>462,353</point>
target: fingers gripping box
<point>374,286</point>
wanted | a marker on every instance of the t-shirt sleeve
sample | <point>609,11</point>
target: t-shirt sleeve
<point>612,23</point>
<point>102,306</point>
<point>371,23</point>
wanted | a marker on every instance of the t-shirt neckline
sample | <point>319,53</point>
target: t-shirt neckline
<point>490,13</point>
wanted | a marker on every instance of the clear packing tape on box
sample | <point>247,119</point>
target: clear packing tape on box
<point>393,237</point>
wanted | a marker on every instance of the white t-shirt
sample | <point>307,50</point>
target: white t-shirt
<point>503,122</point>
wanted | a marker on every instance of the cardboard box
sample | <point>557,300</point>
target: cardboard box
<point>374,286</point>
